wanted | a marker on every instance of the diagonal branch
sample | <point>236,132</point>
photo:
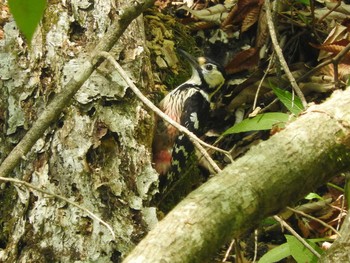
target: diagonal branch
<point>314,218</point>
<point>31,186</point>
<point>335,61</point>
<point>196,141</point>
<point>63,99</point>
<point>280,56</point>
<point>296,235</point>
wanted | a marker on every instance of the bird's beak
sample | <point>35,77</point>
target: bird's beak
<point>195,63</point>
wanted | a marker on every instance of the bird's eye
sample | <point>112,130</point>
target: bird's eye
<point>209,67</point>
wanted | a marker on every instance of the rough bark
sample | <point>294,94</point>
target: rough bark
<point>269,177</point>
<point>97,154</point>
<point>339,251</point>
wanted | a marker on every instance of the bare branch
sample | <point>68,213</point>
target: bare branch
<point>280,56</point>
<point>313,218</point>
<point>335,61</point>
<point>30,186</point>
<point>196,141</point>
<point>272,58</point>
<point>297,236</point>
<point>329,12</point>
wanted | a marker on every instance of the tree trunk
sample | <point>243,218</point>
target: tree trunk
<point>266,179</point>
<point>339,251</point>
<point>97,154</point>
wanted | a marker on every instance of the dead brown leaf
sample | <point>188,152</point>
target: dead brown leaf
<point>240,11</point>
<point>244,60</point>
<point>251,18</point>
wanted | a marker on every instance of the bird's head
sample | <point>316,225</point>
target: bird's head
<point>206,73</point>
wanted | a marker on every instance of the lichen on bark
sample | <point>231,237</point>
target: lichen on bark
<point>97,154</point>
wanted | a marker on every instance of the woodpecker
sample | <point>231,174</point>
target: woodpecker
<point>189,105</point>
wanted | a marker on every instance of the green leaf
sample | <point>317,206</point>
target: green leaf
<point>305,2</point>
<point>347,189</point>
<point>294,105</point>
<point>299,252</point>
<point>321,239</point>
<point>260,122</point>
<point>311,196</point>
<point>276,254</point>
<point>269,221</point>
<point>27,14</point>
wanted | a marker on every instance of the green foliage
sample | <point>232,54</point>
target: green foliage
<point>267,121</point>
<point>299,252</point>
<point>347,189</point>
<point>292,103</point>
<point>276,254</point>
<point>304,2</point>
<point>293,247</point>
<point>340,189</point>
<point>260,122</point>
<point>269,221</point>
<point>311,196</point>
<point>27,14</point>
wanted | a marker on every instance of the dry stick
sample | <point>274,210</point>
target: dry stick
<point>31,186</point>
<point>280,56</point>
<point>334,60</point>
<point>313,218</point>
<point>312,11</point>
<point>262,80</point>
<point>313,20</point>
<point>255,245</point>
<point>340,209</point>
<point>228,250</point>
<point>329,12</point>
<point>197,142</point>
<point>297,236</point>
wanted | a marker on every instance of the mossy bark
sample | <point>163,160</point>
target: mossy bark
<point>339,251</point>
<point>96,154</point>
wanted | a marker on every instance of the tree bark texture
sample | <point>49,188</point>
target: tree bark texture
<point>97,154</point>
<point>339,251</point>
<point>270,176</point>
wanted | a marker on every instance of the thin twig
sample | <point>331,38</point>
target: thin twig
<point>280,56</point>
<point>269,106</point>
<point>313,218</point>
<point>329,12</point>
<point>228,251</point>
<point>334,60</point>
<point>255,245</point>
<point>297,236</point>
<point>341,210</point>
<point>31,186</point>
<point>206,155</point>
<point>197,142</point>
<point>262,80</point>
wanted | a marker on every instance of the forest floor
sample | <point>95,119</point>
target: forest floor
<point>313,37</point>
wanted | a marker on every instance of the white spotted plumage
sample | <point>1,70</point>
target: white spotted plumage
<point>189,105</point>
